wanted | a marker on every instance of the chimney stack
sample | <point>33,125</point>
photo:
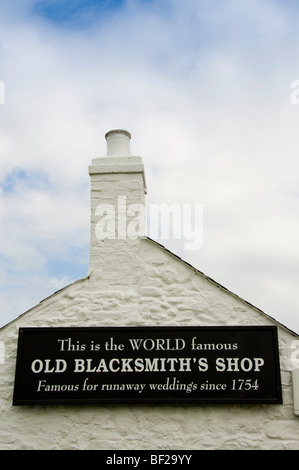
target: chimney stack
<point>118,191</point>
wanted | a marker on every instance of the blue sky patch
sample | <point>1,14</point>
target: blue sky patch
<point>73,269</point>
<point>20,176</point>
<point>75,12</point>
<point>8,184</point>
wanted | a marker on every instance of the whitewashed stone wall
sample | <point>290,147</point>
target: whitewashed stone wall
<point>139,283</point>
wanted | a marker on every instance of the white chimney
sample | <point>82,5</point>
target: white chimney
<point>118,191</point>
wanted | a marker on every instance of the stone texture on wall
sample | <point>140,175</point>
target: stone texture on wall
<point>138,283</point>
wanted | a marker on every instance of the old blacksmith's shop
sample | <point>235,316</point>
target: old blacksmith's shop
<point>145,352</point>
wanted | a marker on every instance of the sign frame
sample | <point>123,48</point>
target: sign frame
<point>169,343</point>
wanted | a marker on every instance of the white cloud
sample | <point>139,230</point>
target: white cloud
<point>204,88</point>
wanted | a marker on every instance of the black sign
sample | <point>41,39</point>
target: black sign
<point>147,365</point>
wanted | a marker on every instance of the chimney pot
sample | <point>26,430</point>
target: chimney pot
<point>118,143</point>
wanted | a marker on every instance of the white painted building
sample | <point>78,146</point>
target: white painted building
<point>134,282</point>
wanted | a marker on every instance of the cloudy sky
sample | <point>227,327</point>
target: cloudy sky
<point>208,90</point>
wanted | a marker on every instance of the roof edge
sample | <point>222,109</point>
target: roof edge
<point>45,299</point>
<point>190,266</point>
<point>220,286</point>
